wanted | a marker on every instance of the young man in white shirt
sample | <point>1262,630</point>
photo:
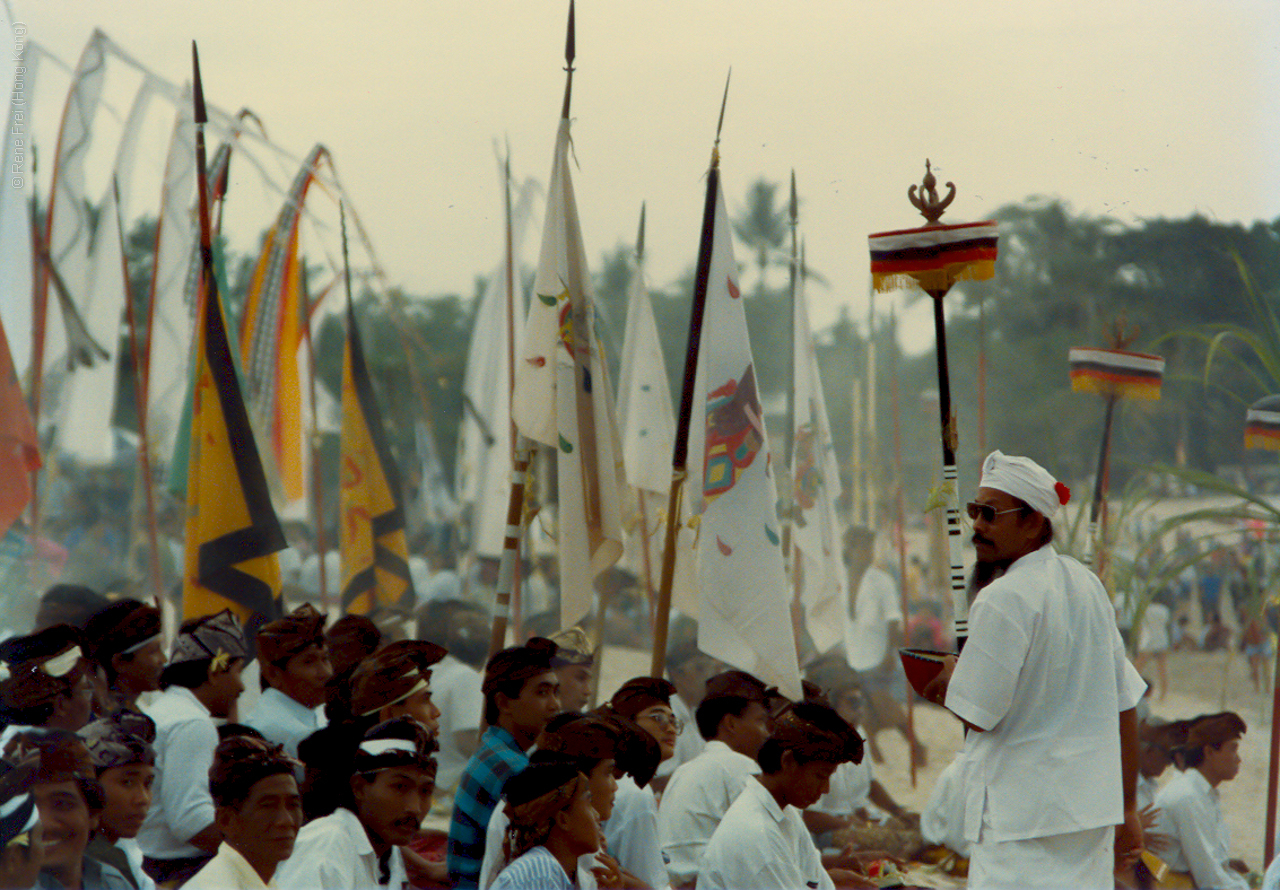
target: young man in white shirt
<point>295,671</point>
<point>734,719</point>
<point>1190,811</point>
<point>688,668</point>
<point>357,846</point>
<point>259,812</point>
<point>762,840</point>
<point>201,682</point>
<point>1049,696</point>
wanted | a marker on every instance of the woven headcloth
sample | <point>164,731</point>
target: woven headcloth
<point>815,731</point>
<point>534,796</point>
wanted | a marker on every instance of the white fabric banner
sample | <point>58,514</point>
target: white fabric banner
<point>744,618</point>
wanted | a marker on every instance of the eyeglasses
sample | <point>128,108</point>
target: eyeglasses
<point>664,719</point>
<point>986,511</point>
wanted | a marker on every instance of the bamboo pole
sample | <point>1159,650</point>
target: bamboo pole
<point>901,511</point>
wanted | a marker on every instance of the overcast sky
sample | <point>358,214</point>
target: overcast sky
<point>1125,109</point>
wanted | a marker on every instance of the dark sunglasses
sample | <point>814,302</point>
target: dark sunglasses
<point>986,511</point>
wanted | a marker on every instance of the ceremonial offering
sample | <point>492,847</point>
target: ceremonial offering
<point>921,666</point>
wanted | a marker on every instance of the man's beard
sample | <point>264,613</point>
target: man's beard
<point>984,572</point>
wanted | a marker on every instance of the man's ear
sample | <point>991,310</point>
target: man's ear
<point>223,818</point>
<point>358,783</point>
<point>788,759</point>
<point>270,673</point>
<point>502,701</point>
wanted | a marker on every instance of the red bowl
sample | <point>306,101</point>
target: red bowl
<point>921,666</point>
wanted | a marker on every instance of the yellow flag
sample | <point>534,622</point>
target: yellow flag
<point>375,551</point>
<point>232,532</point>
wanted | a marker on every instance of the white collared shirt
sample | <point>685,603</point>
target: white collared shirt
<point>181,806</point>
<point>455,690</point>
<point>133,853</point>
<point>283,720</point>
<point>334,853</point>
<point>850,789</point>
<point>700,793</point>
<point>1191,816</point>
<point>494,863</point>
<point>1146,791</point>
<point>866,631</point>
<point>760,844</point>
<point>228,870</point>
<point>1045,674</point>
<point>942,819</point>
<point>631,833</point>
<point>689,743</point>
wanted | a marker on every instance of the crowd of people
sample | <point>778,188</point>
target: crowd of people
<point>127,764</point>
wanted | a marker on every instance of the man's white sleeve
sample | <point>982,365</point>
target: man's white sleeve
<point>184,794</point>
<point>986,676</point>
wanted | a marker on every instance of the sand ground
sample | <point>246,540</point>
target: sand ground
<point>1199,682</point>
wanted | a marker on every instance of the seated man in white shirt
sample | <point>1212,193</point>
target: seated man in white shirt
<point>463,629</point>
<point>120,747</point>
<point>357,846</point>
<point>762,840</point>
<point>688,668</point>
<point>1190,811</point>
<point>201,682</point>
<point>295,671</point>
<point>734,720</point>
<point>259,812</point>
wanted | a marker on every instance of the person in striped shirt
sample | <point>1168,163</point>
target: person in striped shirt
<point>553,823</point>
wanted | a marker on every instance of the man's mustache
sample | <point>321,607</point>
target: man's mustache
<point>980,539</point>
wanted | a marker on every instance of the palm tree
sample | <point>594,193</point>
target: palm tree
<point>763,227</point>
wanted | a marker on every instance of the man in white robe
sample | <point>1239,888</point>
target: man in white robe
<point>1049,696</point>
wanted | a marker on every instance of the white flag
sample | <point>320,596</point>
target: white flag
<point>744,618</point>
<point>815,480</point>
<point>484,436</point>
<point>563,398</point>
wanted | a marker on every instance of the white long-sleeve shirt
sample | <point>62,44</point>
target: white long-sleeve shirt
<point>334,853</point>
<point>283,720</point>
<point>760,844</point>
<point>631,833</point>
<point>700,793</point>
<point>1191,816</point>
<point>181,806</point>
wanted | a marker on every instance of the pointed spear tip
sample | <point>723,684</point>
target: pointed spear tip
<point>724,101</point>
<point>640,235</point>
<point>201,115</point>
<point>570,51</point>
<point>795,205</point>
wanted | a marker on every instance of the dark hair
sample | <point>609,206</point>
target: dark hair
<point>713,710</point>
<point>90,789</point>
<point>239,763</point>
<point>770,756</point>
<point>1046,531</point>
<point>187,674</point>
<point>509,688</point>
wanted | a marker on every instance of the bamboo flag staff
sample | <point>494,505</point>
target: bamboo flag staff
<point>1115,374</point>
<point>933,258</point>
<point>787,499</point>
<point>743,615</point>
<point>1262,430</point>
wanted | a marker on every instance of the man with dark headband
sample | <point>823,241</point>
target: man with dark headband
<point>295,668</point>
<point>357,846</point>
<point>520,696</point>
<point>124,641</point>
<point>1047,691</point>
<point>124,760</point>
<point>44,682</point>
<point>393,682</point>
<point>201,682</point>
<point>601,746</point>
<point>259,812</point>
<point>762,840</point>
<point>552,825</point>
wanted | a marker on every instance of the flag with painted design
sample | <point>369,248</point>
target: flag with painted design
<point>815,478</point>
<point>563,398</point>
<point>371,527</point>
<point>232,533</point>
<point>744,617</point>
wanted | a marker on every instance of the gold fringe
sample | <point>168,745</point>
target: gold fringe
<point>935,279</point>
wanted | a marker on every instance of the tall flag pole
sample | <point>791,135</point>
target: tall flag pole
<point>563,396</point>
<point>144,440</point>
<point>743,615</point>
<point>232,534</point>
<point>371,526</point>
<point>509,280</point>
<point>787,499</point>
<point>815,488</point>
<point>900,510</point>
<point>933,258</point>
<point>1262,430</point>
<point>1113,374</point>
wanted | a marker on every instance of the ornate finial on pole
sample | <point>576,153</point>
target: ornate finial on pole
<point>927,201</point>
<point>715,149</point>
<point>1122,334</point>
<point>570,52</point>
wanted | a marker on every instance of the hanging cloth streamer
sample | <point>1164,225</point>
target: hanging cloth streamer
<point>1113,372</point>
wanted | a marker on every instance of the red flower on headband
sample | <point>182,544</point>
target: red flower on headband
<point>1064,493</point>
